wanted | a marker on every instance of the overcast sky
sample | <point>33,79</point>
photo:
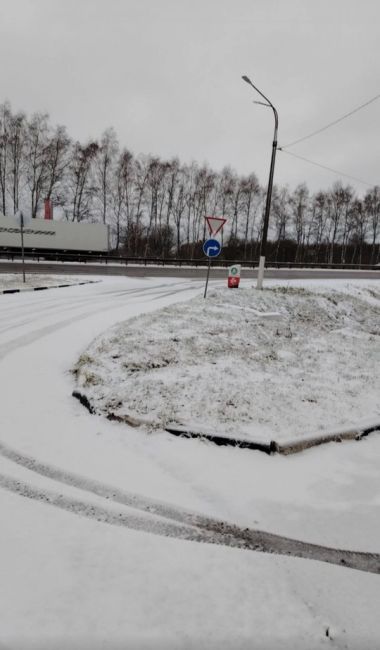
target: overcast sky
<point>166,74</point>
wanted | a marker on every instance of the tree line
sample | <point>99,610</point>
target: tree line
<point>156,207</point>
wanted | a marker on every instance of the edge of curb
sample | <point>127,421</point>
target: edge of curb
<point>55,286</point>
<point>285,448</point>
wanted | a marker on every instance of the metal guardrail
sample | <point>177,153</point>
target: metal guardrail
<point>96,258</point>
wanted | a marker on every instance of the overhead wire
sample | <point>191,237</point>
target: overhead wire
<point>330,169</point>
<point>330,124</point>
<point>284,148</point>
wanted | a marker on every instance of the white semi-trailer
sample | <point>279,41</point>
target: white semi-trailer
<point>50,235</point>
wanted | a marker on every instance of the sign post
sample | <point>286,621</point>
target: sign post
<point>211,248</point>
<point>207,277</point>
<point>22,245</point>
<point>20,220</point>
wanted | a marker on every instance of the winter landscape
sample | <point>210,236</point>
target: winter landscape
<point>113,533</point>
<point>189,325</point>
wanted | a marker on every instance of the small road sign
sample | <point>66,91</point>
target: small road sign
<point>234,276</point>
<point>212,248</point>
<point>234,271</point>
<point>215,224</point>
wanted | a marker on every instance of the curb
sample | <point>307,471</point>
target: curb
<point>284,448</point>
<point>295,446</point>
<point>224,441</point>
<point>55,286</point>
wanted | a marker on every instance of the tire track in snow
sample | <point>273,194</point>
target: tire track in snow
<point>26,339</point>
<point>52,309</point>
<point>92,511</point>
<point>29,298</point>
<point>33,336</point>
<point>57,306</point>
<point>167,520</point>
<point>95,487</point>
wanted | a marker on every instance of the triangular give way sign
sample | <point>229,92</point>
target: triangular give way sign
<point>215,224</point>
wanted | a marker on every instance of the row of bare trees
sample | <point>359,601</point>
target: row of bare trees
<point>157,207</point>
<point>333,226</point>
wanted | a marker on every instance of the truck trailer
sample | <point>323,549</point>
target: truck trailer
<point>54,236</point>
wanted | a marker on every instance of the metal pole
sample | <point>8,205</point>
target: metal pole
<point>208,273</point>
<point>263,245</point>
<point>22,245</point>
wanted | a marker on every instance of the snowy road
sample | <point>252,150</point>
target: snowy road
<point>54,565</point>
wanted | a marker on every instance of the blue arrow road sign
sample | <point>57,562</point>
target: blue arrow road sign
<point>212,248</point>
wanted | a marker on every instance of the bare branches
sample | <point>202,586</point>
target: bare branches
<point>157,207</point>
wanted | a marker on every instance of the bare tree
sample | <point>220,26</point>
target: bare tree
<point>205,182</point>
<point>281,214</point>
<point>250,189</point>
<point>172,180</point>
<point>190,172</point>
<point>299,202</point>
<point>155,192</point>
<point>141,175</point>
<point>360,226</point>
<point>226,190</point>
<point>348,220</point>
<point>372,207</point>
<point>5,119</point>
<point>180,204</point>
<point>37,142</point>
<point>57,156</point>
<point>104,166</point>
<point>340,201</point>
<point>17,138</point>
<point>202,185</point>
<point>237,207</point>
<point>82,188</point>
<point>320,214</point>
<point>122,189</point>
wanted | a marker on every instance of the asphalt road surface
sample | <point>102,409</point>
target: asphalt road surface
<point>181,272</point>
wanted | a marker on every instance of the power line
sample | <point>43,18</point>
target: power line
<point>334,171</point>
<point>340,119</point>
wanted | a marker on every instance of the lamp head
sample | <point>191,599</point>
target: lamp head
<point>262,104</point>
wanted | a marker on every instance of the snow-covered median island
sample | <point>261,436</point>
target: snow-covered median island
<point>275,364</point>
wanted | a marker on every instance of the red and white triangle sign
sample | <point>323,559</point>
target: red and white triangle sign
<point>215,224</point>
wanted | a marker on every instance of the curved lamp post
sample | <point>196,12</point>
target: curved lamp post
<point>260,275</point>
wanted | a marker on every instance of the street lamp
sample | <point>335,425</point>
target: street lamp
<point>263,247</point>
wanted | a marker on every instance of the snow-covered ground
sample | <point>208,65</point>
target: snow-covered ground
<point>15,281</point>
<point>276,364</point>
<point>73,577</point>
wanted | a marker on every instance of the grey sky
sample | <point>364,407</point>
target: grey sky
<point>167,75</point>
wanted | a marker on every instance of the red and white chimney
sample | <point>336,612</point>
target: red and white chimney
<point>48,209</point>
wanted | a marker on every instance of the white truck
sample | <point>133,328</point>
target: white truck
<point>55,236</point>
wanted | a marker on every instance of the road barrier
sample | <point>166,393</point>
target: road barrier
<point>96,258</point>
